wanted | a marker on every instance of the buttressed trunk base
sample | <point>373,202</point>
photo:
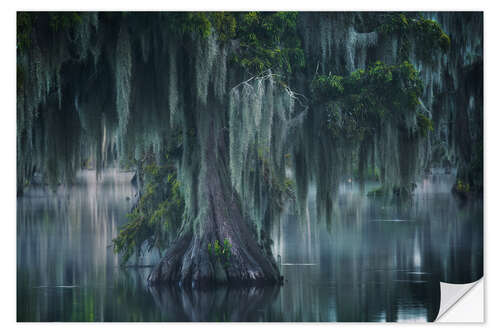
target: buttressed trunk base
<point>193,260</point>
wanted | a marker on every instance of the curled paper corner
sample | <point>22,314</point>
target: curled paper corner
<point>455,302</point>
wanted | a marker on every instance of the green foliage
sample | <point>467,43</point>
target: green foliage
<point>289,187</point>
<point>57,21</point>
<point>429,38</point>
<point>224,24</point>
<point>222,252</point>
<point>395,23</point>
<point>189,22</point>
<point>269,40</point>
<point>158,214</point>
<point>327,85</point>
<point>462,187</point>
<point>24,25</point>
<point>280,189</point>
<point>202,23</point>
<point>429,33</point>
<point>266,39</point>
<point>356,104</point>
<point>61,21</point>
<point>424,124</point>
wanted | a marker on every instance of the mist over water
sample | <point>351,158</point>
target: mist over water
<point>379,259</point>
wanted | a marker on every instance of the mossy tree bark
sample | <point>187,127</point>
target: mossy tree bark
<point>214,211</point>
<point>189,261</point>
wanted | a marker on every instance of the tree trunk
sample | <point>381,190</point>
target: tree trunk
<point>188,261</point>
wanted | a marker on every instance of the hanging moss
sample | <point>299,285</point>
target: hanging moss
<point>260,112</point>
<point>20,78</point>
<point>369,124</point>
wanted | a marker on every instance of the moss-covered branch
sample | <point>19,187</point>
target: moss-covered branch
<point>156,217</point>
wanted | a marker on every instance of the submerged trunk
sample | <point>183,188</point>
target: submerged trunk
<point>219,217</point>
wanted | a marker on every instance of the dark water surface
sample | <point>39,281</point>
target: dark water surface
<point>378,261</point>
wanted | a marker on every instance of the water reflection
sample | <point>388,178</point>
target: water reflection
<point>380,260</point>
<point>221,304</point>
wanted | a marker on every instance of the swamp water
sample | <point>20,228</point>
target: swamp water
<point>379,260</point>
